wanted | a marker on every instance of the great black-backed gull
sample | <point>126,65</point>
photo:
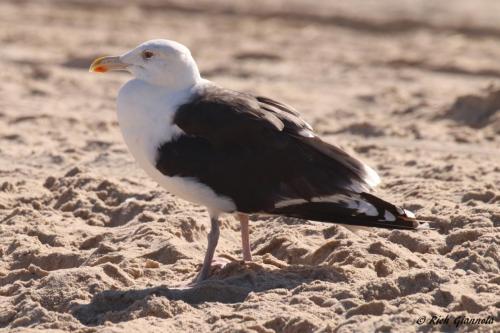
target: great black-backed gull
<point>233,152</point>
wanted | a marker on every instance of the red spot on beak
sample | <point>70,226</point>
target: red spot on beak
<point>100,69</point>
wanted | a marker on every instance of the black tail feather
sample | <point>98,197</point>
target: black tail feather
<point>362,209</point>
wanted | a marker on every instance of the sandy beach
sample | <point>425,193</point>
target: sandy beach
<point>89,243</point>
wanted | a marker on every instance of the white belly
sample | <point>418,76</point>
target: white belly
<point>145,115</point>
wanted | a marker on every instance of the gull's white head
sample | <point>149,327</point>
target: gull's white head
<point>159,62</point>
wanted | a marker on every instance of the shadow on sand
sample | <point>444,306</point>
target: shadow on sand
<point>230,285</point>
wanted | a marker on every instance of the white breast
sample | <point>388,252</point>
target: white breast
<point>145,114</point>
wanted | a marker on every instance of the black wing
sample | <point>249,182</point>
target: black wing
<point>263,156</point>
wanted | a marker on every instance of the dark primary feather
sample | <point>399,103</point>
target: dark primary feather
<point>333,212</point>
<point>259,153</point>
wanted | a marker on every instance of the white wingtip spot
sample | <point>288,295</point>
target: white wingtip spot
<point>388,216</point>
<point>409,213</point>
<point>371,178</point>
<point>367,209</point>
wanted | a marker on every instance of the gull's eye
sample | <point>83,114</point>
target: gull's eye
<point>147,54</point>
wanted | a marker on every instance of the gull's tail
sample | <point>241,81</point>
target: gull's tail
<point>360,209</point>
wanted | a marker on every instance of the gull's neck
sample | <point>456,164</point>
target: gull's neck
<point>173,79</point>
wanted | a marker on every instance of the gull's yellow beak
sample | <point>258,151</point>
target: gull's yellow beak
<point>105,64</point>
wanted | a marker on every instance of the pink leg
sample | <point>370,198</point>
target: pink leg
<point>213,238</point>
<point>245,237</point>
